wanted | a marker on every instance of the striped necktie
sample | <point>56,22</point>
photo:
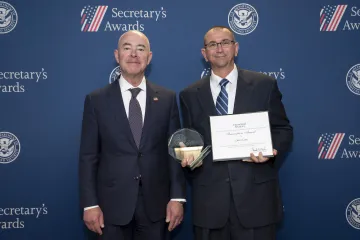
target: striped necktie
<point>222,99</point>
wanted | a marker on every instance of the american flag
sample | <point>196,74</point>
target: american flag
<point>91,18</point>
<point>330,17</point>
<point>329,144</point>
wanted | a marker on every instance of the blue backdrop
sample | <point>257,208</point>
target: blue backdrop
<point>54,52</point>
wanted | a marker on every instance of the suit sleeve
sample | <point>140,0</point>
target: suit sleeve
<point>177,177</point>
<point>281,130</point>
<point>89,155</point>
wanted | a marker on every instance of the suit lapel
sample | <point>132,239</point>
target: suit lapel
<point>205,97</point>
<point>243,94</point>
<point>116,104</point>
<point>151,94</point>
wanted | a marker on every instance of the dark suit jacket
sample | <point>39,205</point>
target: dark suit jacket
<point>254,187</point>
<point>110,161</point>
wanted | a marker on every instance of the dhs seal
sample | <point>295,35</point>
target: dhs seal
<point>243,18</point>
<point>353,213</point>
<point>8,17</point>
<point>9,147</point>
<point>206,72</point>
<point>114,75</point>
<point>353,79</point>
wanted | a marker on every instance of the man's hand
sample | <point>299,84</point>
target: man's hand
<point>94,219</point>
<point>188,159</point>
<point>260,158</point>
<point>186,162</point>
<point>174,214</point>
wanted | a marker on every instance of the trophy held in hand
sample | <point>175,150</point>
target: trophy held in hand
<point>188,144</point>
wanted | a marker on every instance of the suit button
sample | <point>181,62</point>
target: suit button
<point>227,180</point>
<point>140,155</point>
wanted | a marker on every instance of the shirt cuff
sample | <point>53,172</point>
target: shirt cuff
<point>178,199</point>
<point>87,208</point>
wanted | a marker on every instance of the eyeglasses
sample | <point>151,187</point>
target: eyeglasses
<point>224,44</point>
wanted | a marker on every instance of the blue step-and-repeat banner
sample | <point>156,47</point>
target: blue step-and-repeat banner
<point>55,52</point>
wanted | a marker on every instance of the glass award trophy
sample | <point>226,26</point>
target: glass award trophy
<point>188,143</point>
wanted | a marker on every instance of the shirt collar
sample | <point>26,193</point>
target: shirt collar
<point>125,85</point>
<point>231,77</point>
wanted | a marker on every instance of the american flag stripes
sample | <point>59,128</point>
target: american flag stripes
<point>330,17</point>
<point>91,18</point>
<point>329,144</point>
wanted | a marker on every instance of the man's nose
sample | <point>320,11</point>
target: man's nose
<point>133,53</point>
<point>219,47</point>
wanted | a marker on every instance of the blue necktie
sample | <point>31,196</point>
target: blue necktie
<point>222,99</point>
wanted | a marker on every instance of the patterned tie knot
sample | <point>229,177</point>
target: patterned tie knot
<point>134,92</point>
<point>223,83</point>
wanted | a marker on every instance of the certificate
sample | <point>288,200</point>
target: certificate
<point>235,136</point>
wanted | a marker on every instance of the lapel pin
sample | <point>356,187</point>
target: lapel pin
<point>155,99</point>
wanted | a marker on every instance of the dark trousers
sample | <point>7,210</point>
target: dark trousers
<point>140,228</point>
<point>233,230</point>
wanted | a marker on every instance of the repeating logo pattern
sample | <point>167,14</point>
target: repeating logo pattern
<point>9,147</point>
<point>114,75</point>
<point>243,18</point>
<point>8,17</point>
<point>205,72</point>
<point>328,145</point>
<point>91,18</point>
<point>353,79</point>
<point>330,17</point>
<point>353,213</point>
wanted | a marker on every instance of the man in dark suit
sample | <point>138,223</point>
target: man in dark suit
<point>130,187</point>
<point>238,199</point>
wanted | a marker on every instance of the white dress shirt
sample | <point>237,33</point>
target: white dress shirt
<point>230,87</point>
<point>125,87</point>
